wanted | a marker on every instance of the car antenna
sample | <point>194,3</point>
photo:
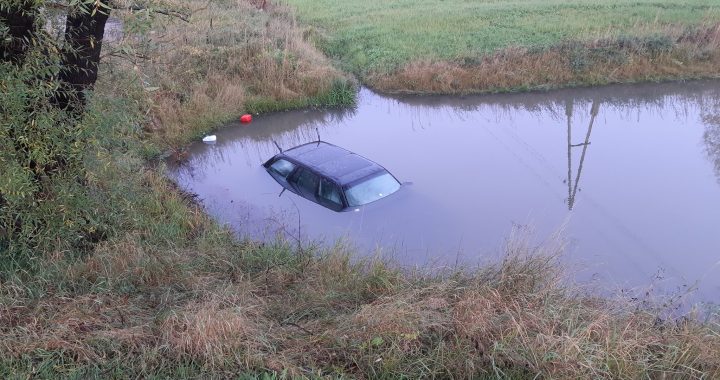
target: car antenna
<point>318,134</point>
<point>278,146</point>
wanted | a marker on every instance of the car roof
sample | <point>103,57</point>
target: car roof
<point>334,162</point>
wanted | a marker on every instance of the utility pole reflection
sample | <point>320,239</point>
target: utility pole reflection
<point>573,185</point>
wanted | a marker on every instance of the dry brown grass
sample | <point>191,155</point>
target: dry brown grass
<point>223,327</point>
<point>658,52</point>
<point>208,319</point>
<point>202,73</point>
<point>69,324</point>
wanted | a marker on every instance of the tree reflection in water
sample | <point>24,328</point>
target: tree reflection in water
<point>711,118</point>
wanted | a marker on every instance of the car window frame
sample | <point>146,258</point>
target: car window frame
<point>277,176</point>
<point>326,202</point>
<point>292,181</point>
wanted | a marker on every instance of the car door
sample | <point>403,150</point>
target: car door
<point>329,195</point>
<point>306,183</point>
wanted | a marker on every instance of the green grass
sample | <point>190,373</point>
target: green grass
<point>380,35</point>
<point>342,93</point>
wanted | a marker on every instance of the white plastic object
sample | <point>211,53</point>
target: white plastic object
<point>209,139</point>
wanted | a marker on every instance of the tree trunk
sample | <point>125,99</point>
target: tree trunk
<point>84,32</point>
<point>20,18</point>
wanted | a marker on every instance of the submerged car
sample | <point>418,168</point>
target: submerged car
<point>331,176</point>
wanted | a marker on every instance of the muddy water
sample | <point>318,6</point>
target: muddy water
<point>630,174</point>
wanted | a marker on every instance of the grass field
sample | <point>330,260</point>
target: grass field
<point>376,37</point>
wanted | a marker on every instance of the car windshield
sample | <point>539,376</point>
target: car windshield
<point>371,189</point>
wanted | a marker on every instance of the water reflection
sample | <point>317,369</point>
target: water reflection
<point>624,168</point>
<point>573,186</point>
<point>711,137</point>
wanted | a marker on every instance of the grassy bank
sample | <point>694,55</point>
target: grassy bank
<point>231,57</point>
<point>163,292</point>
<point>455,46</point>
<point>205,305</point>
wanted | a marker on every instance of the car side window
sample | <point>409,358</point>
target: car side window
<point>329,194</point>
<point>306,183</point>
<point>282,168</point>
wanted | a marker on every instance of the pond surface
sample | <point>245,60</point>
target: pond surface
<point>629,173</point>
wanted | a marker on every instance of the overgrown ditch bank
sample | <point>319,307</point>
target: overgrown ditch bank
<point>460,47</point>
<point>675,54</point>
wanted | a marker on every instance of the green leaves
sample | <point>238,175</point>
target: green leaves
<point>42,151</point>
<point>16,184</point>
<point>89,6</point>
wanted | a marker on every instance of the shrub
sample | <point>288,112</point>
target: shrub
<point>42,149</point>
